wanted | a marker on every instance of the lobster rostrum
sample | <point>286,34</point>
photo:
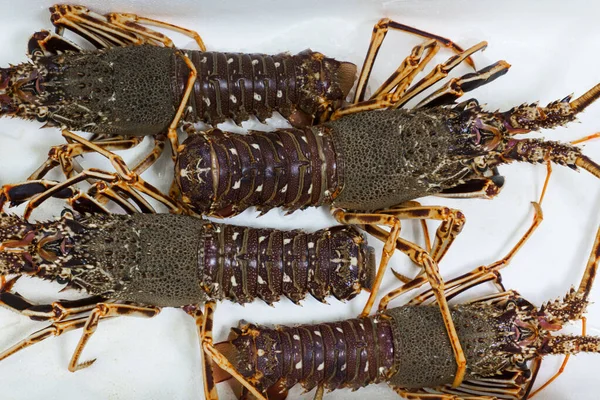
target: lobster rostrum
<point>504,336</point>
<point>137,264</point>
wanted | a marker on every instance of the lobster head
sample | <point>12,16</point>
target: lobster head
<point>492,134</point>
<point>33,249</point>
<point>21,92</point>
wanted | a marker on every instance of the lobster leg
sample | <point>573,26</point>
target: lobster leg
<point>396,99</point>
<point>420,257</point>
<point>55,329</point>
<point>380,30</point>
<point>102,311</point>
<point>209,349</point>
<point>412,65</point>
<point>124,176</point>
<point>210,391</point>
<point>56,311</point>
<point>130,22</point>
<point>63,155</point>
<point>115,28</point>
<point>58,188</point>
<point>456,87</point>
<point>45,43</point>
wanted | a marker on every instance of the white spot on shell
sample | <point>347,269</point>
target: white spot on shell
<point>284,189</point>
<point>256,146</point>
<point>286,278</point>
<point>206,100</point>
<point>260,280</point>
<point>310,189</point>
<point>344,367</point>
<point>233,99</point>
<point>257,97</point>
<point>296,337</point>
<point>233,151</point>
<point>279,94</point>
<point>235,235</point>
<point>287,241</point>
<point>259,188</point>
<point>299,365</point>
<point>261,239</point>
<point>353,261</point>
<point>233,281</point>
<point>339,329</point>
<point>367,367</point>
<point>254,62</point>
<point>311,245</point>
<point>321,366</point>
<point>260,352</point>
<point>237,184</point>
<point>277,64</point>
<point>317,333</point>
<point>229,60</point>
<point>203,60</point>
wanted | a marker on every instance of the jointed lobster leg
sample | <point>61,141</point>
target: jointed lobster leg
<point>456,87</point>
<point>64,154</point>
<point>204,323</point>
<point>45,43</point>
<point>115,28</point>
<point>56,311</point>
<point>412,65</point>
<point>419,256</point>
<point>398,98</point>
<point>380,30</point>
<point>103,311</point>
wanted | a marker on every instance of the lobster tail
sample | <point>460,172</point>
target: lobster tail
<point>350,353</point>
<point>241,264</point>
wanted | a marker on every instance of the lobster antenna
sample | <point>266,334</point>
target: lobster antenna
<point>587,164</point>
<point>580,103</point>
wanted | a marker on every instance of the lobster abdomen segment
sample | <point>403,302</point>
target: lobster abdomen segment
<point>351,353</point>
<point>222,174</point>
<point>241,263</point>
<point>238,85</point>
